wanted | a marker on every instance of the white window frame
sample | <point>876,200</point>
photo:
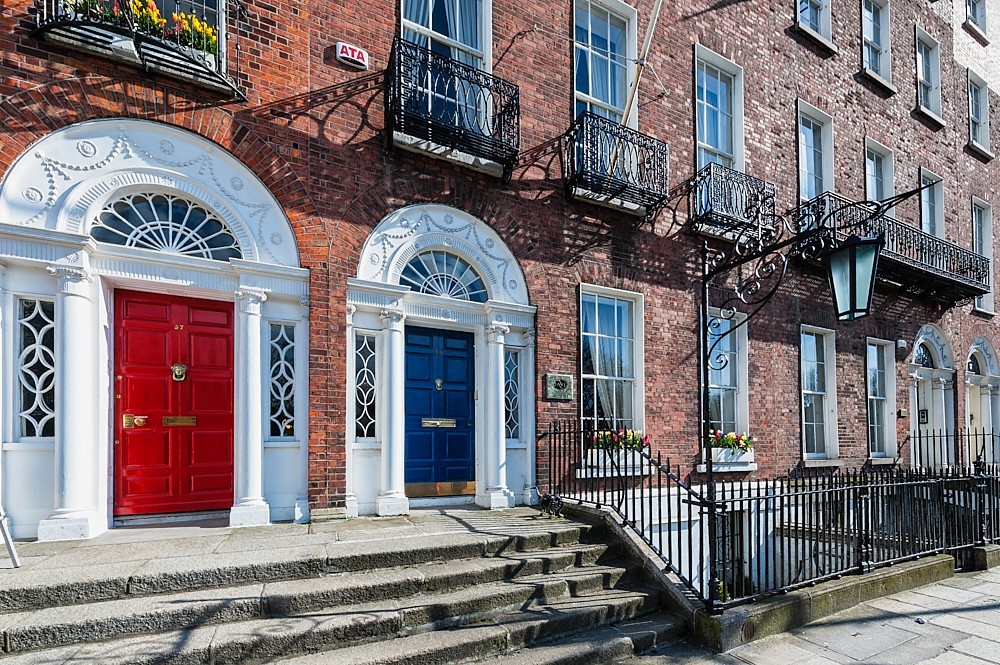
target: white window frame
<point>832,447</point>
<point>823,32</point>
<point>887,348</point>
<point>722,460</point>
<point>638,346</point>
<point>977,22</point>
<point>984,303</point>
<point>727,66</point>
<point>933,76</point>
<point>486,35</point>
<point>810,112</point>
<point>630,16</point>
<point>938,193</point>
<point>888,172</point>
<point>982,145</point>
<point>884,71</point>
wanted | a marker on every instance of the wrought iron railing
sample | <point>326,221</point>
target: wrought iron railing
<point>152,35</point>
<point>727,201</point>
<point>910,252</point>
<point>609,161</point>
<point>776,535</point>
<point>434,98</point>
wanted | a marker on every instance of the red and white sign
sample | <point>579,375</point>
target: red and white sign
<point>352,55</point>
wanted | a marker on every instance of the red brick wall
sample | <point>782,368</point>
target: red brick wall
<point>312,129</point>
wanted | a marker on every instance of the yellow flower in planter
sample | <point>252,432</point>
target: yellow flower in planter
<point>189,30</point>
<point>742,443</point>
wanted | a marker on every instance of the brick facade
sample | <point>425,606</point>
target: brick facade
<point>312,130</point>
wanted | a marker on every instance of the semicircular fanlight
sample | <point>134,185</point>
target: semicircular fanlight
<point>165,223</point>
<point>441,273</point>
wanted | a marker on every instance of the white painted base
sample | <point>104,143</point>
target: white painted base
<point>75,526</point>
<point>497,498</point>
<point>351,505</point>
<point>392,504</point>
<point>441,501</point>
<point>301,511</point>
<point>530,496</point>
<point>252,515</point>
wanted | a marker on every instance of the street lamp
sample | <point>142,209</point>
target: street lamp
<point>851,268</point>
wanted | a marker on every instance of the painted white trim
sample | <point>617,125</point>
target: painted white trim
<point>703,54</point>
<point>934,109</point>
<point>807,110</point>
<point>938,188</point>
<point>889,169</point>
<point>985,303</point>
<point>832,447</point>
<point>628,14</point>
<point>981,146</point>
<point>884,74</point>
<point>888,348</point>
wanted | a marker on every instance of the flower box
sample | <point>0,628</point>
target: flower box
<point>604,463</point>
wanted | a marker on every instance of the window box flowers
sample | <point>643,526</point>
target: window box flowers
<point>731,447</point>
<point>616,453</point>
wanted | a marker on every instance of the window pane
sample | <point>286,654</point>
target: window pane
<point>36,392</point>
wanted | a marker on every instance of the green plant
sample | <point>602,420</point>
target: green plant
<point>623,439</point>
<point>147,18</point>
<point>189,30</point>
<point>734,441</point>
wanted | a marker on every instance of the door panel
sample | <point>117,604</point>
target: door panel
<point>187,464</point>
<point>440,460</point>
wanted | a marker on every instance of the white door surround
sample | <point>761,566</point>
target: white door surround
<point>49,199</point>
<point>379,308</point>
<point>932,389</point>
<point>982,404</point>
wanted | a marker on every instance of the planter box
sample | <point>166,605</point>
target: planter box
<point>603,463</point>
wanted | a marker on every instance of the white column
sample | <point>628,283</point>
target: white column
<point>526,400</point>
<point>392,499</point>
<point>350,500</point>
<point>495,494</point>
<point>302,410</point>
<point>250,509</point>
<point>75,515</point>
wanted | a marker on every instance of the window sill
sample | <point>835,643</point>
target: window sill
<point>983,312</point>
<point>977,32</point>
<point>822,463</point>
<point>980,149</point>
<point>722,467</point>
<point>879,80</point>
<point>613,203</point>
<point>817,37</point>
<point>882,461</point>
<point>923,110</point>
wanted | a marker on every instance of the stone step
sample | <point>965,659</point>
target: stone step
<point>81,581</point>
<point>494,641</point>
<point>429,594</point>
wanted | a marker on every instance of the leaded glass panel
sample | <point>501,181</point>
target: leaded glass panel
<point>512,422</point>
<point>364,386</point>
<point>36,368</point>
<point>282,381</point>
<point>441,273</point>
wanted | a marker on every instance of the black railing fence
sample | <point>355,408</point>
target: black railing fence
<point>608,160</point>
<point>724,200</point>
<point>776,535</point>
<point>942,448</point>
<point>452,104</point>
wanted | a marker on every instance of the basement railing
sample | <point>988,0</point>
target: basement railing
<point>920,262</point>
<point>773,535</point>
<point>609,163</point>
<point>451,105</point>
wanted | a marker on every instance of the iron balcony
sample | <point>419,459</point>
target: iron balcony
<point>918,261</point>
<point>110,28</point>
<point>615,165</point>
<point>437,104</point>
<point>728,202</point>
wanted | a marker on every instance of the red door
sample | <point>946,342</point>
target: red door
<point>174,404</point>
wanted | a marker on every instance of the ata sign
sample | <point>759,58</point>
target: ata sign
<point>352,55</point>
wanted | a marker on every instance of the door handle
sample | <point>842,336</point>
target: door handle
<point>131,421</point>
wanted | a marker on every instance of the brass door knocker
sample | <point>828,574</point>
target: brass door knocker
<point>438,383</point>
<point>178,372</point>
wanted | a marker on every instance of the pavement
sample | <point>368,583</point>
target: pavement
<point>954,622</point>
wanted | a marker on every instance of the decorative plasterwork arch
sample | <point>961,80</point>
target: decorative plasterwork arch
<point>413,229</point>
<point>935,340</point>
<point>64,179</point>
<point>987,355</point>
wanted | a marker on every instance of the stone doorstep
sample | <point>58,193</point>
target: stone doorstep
<point>478,587</point>
<point>54,587</point>
<point>365,628</point>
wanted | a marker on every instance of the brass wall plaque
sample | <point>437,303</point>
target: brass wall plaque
<point>180,421</point>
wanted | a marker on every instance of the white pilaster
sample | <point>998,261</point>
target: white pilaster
<point>75,515</point>
<point>302,411</point>
<point>495,494</point>
<point>350,500</point>
<point>250,509</point>
<point>392,499</point>
<point>527,403</point>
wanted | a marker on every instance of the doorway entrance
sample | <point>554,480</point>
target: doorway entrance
<point>174,404</point>
<point>440,413</point>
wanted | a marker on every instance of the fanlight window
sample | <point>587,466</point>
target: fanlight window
<point>165,223</point>
<point>441,273</point>
<point>923,357</point>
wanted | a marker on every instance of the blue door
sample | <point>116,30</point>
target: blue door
<point>440,458</point>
